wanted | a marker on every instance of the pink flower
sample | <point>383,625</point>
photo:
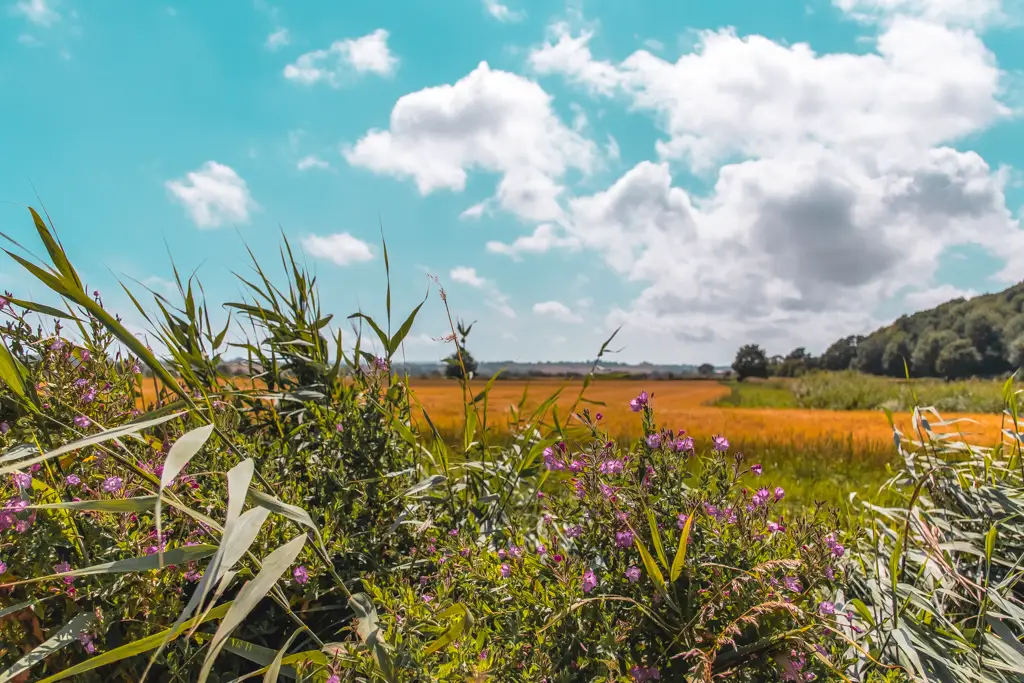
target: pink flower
<point>589,581</point>
<point>86,640</point>
<point>3,567</point>
<point>506,571</point>
<point>113,484</point>
<point>82,421</point>
<point>681,521</point>
<point>756,469</point>
<point>334,678</point>
<point>301,574</point>
<point>633,574</point>
<point>780,493</point>
<point>827,607</point>
<point>624,539</point>
<point>22,480</point>
<point>719,443</point>
<point>72,480</point>
<point>541,548</point>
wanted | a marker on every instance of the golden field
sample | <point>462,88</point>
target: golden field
<point>679,404</point>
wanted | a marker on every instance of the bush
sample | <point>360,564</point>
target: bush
<point>751,361</point>
<point>300,525</point>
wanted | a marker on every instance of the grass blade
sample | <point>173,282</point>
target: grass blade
<point>183,450</point>
<point>136,647</point>
<point>274,565</point>
<point>680,559</point>
<point>189,553</point>
<point>67,634</point>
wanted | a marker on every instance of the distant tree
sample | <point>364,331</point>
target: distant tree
<point>751,361</point>
<point>926,352</point>
<point>796,363</point>
<point>840,355</point>
<point>706,370</point>
<point>1015,352</point>
<point>958,359</point>
<point>454,369</point>
<point>869,355</point>
<point>896,356</point>
<point>984,329</point>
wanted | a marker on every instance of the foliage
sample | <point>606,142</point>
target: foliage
<point>303,526</point>
<point>461,363</point>
<point>991,325</point>
<point>936,584</point>
<point>751,361</point>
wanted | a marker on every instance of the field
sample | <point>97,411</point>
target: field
<point>818,454</point>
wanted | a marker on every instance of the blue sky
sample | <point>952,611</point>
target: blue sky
<point>704,174</point>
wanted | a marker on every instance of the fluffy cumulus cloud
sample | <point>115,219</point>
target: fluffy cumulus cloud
<point>490,120</point>
<point>835,183</point>
<point>341,249</point>
<point>213,196</point>
<point>343,59</point>
<point>556,310</point>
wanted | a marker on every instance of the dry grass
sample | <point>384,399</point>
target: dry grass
<point>682,405</point>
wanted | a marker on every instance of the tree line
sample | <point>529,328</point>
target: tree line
<point>979,337</point>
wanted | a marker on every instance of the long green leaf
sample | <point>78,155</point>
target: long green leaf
<point>115,505</point>
<point>67,634</point>
<point>188,553</point>
<point>178,458</point>
<point>136,647</point>
<point>12,373</point>
<point>274,565</point>
<point>680,559</point>
<point>403,331</point>
<point>274,670</point>
<point>106,435</point>
<point>461,624</point>
<point>656,538</point>
<point>652,567</point>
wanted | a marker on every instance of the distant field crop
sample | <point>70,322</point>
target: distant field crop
<point>685,405</point>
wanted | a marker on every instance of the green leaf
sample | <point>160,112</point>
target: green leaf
<point>462,623</point>
<point>136,647</point>
<point>292,512</point>
<point>425,485</point>
<point>274,565</point>
<point>376,328</point>
<point>67,634</point>
<point>181,555</point>
<point>56,252</point>
<point>652,567</point>
<point>178,458</point>
<point>106,435</point>
<point>656,538</point>
<point>274,670</point>
<point>990,544</point>
<point>41,308</point>
<point>680,559</point>
<point>403,331</point>
<point>368,630</point>
<point>115,505</point>
<point>12,373</point>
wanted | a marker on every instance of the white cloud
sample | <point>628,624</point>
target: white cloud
<point>278,39</point>
<point>495,298</point>
<point>545,237</point>
<point>213,195</point>
<point>923,299</point>
<point>467,276</point>
<point>556,310</point>
<point>37,11</point>
<point>312,161</point>
<point>964,12</point>
<point>342,248</point>
<point>29,40</point>
<point>834,183</point>
<point>502,12</point>
<point>368,54</point>
<point>492,121</point>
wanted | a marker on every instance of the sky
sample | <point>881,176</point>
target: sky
<point>702,174</point>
